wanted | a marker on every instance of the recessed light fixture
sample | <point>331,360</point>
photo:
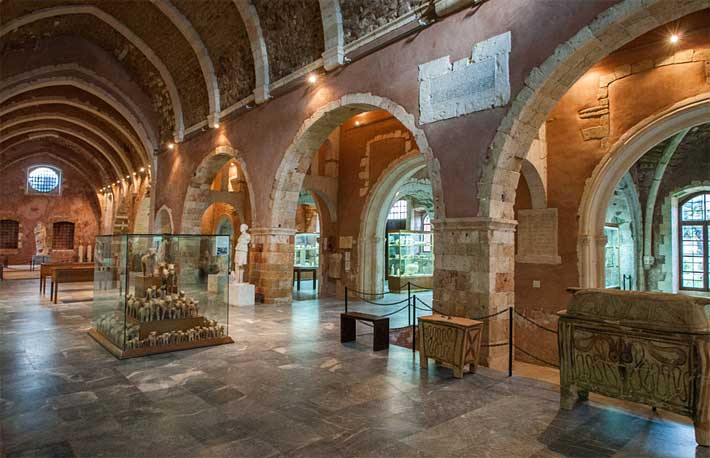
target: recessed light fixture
<point>312,78</point>
<point>674,38</point>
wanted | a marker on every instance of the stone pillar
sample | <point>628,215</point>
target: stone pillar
<point>271,264</point>
<point>474,276</point>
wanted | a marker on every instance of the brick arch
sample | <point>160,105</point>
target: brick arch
<point>314,131</point>
<point>197,198</point>
<point>613,166</point>
<point>546,84</point>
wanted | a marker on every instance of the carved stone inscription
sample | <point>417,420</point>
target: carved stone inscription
<point>537,236</point>
<point>447,90</point>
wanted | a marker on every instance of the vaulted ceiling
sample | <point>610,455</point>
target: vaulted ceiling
<point>108,83</point>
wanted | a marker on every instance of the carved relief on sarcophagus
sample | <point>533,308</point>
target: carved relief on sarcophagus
<point>652,348</point>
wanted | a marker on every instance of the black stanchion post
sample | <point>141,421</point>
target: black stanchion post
<point>414,327</point>
<point>510,341</point>
<point>346,299</point>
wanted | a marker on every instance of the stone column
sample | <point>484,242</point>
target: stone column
<point>271,263</point>
<point>474,276</point>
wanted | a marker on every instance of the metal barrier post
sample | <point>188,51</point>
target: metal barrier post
<point>414,327</point>
<point>510,342</point>
<point>346,299</point>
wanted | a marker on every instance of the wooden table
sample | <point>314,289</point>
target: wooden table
<point>452,341</point>
<point>69,275</point>
<point>297,270</point>
<point>45,270</point>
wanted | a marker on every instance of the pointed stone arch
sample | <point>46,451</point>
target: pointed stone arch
<point>164,220</point>
<point>371,243</point>
<point>197,198</point>
<point>613,166</point>
<point>315,130</point>
<point>546,84</point>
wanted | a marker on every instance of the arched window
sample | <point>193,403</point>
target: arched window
<point>9,234</point>
<point>43,179</point>
<point>63,236</point>
<point>398,210</point>
<point>694,217</point>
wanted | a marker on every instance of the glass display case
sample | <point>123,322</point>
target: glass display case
<point>160,293</point>
<point>410,259</point>
<point>612,258</point>
<point>306,246</point>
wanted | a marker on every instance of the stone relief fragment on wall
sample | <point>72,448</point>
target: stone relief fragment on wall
<point>600,111</point>
<point>468,85</point>
<point>364,173</point>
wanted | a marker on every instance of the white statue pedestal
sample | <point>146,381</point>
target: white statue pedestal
<point>241,293</point>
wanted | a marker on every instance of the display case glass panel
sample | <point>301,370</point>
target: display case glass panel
<point>160,293</point>
<point>612,260</point>
<point>306,250</point>
<point>410,254</point>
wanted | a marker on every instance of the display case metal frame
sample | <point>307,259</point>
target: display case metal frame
<point>179,328</point>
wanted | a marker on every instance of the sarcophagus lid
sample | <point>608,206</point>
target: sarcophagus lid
<point>658,311</point>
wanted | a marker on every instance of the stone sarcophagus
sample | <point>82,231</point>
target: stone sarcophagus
<point>652,348</point>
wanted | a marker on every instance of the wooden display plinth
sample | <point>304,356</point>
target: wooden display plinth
<point>145,351</point>
<point>399,284</point>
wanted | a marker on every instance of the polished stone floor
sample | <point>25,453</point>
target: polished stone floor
<point>287,387</point>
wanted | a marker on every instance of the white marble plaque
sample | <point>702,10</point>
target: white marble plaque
<point>537,237</point>
<point>468,85</point>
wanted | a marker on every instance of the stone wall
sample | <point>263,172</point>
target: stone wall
<point>77,204</point>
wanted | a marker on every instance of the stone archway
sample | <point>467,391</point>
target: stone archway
<point>274,252</point>
<point>546,84</point>
<point>610,170</point>
<point>198,198</point>
<point>374,219</point>
<point>164,220</point>
<point>312,134</point>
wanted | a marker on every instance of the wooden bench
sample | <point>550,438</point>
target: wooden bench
<point>69,275</point>
<point>45,271</point>
<point>381,325</point>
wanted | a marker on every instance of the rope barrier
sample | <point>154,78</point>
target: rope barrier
<point>535,357</point>
<point>536,324</point>
<point>483,318</point>
<point>415,286</point>
<point>385,304</point>
<point>395,312</point>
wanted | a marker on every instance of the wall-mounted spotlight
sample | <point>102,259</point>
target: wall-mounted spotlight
<point>141,170</point>
<point>357,123</point>
<point>312,78</point>
<point>171,146</point>
<point>674,38</point>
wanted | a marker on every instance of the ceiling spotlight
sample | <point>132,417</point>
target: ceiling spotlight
<point>216,125</point>
<point>142,169</point>
<point>312,78</point>
<point>674,38</point>
<point>357,123</point>
<point>128,177</point>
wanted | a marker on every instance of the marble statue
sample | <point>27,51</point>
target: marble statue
<point>148,262</point>
<point>41,240</point>
<point>241,251</point>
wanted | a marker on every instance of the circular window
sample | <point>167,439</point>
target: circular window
<point>43,179</point>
